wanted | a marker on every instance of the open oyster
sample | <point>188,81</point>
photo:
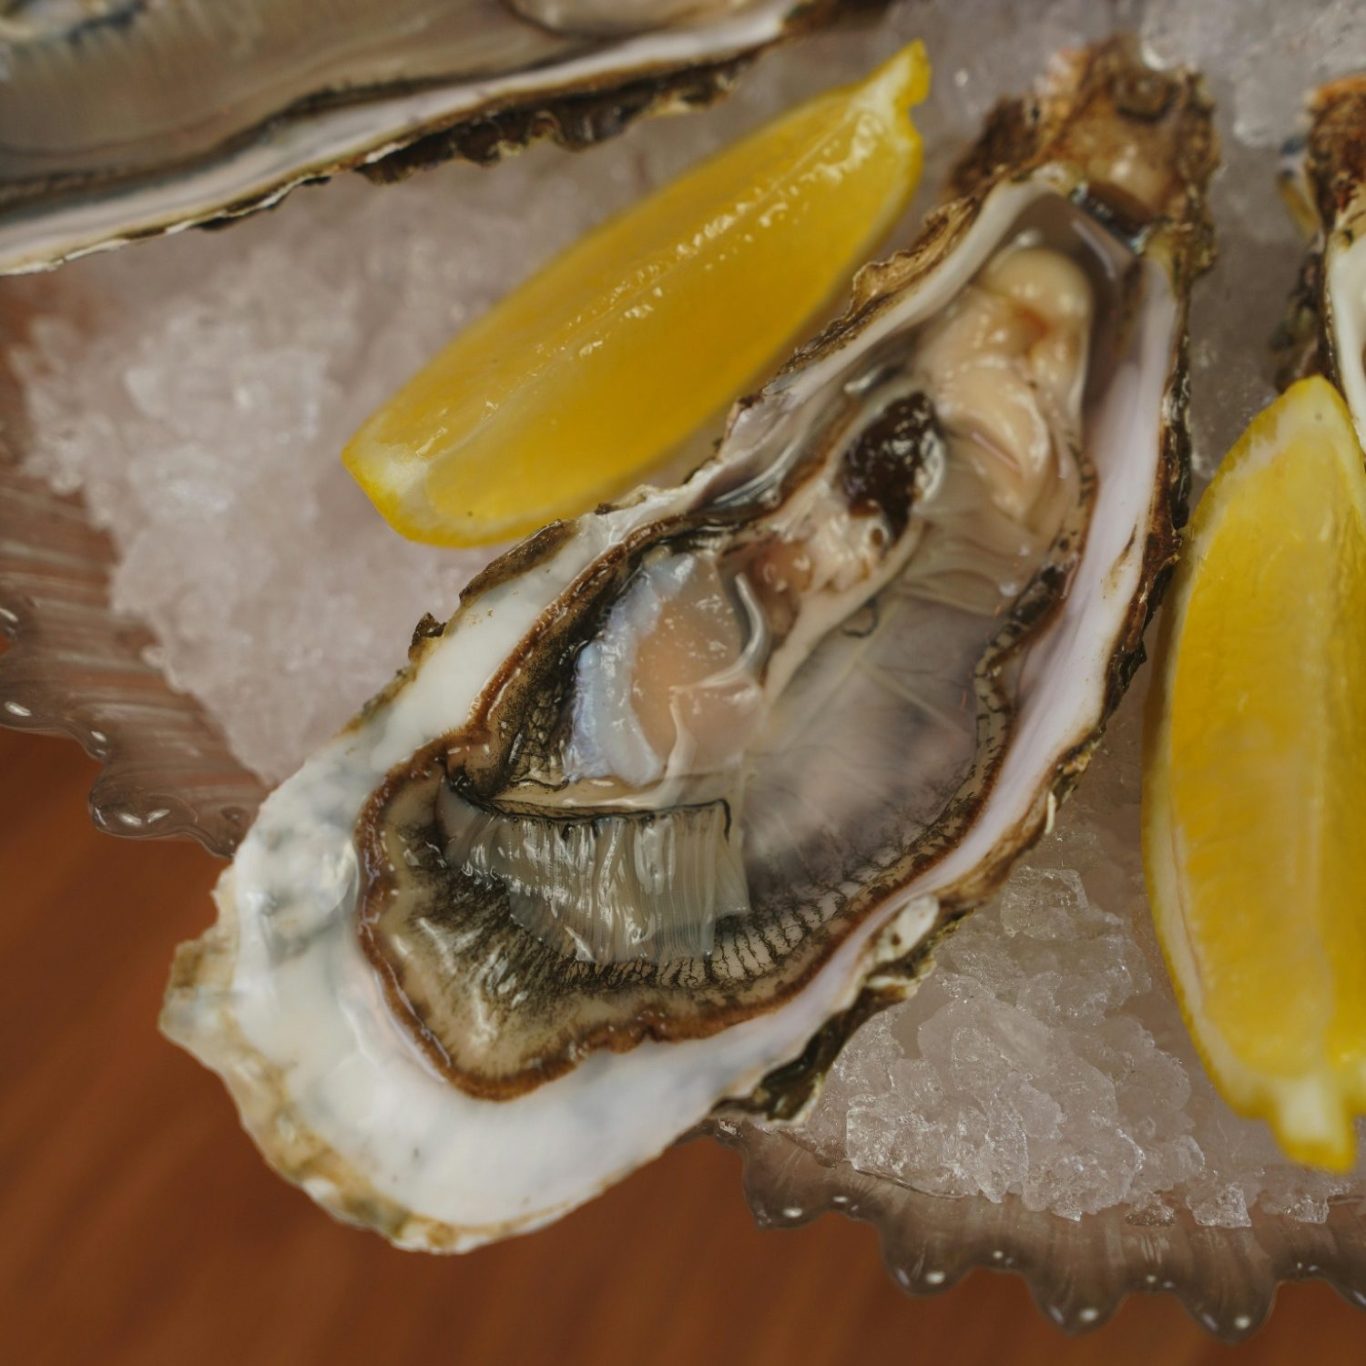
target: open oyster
<point>126,118</point>
<point>685,788</point>
<point>1325,184</point>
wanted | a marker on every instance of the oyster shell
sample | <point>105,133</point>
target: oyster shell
<point>102,145</point>
<point>1325,187</point>
<point>686,788</point>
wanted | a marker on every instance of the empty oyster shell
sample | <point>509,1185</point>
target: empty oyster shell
<point>124,119</point>
<point>1325,186</point>
<point>685,788</point>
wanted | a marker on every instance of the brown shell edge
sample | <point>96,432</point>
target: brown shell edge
<point>1326,193</point>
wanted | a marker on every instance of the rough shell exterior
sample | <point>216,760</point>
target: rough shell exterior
<point>1325,189</point>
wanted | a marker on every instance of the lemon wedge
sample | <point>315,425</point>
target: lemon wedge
<point>592,370</point>
<point>1254,787</point>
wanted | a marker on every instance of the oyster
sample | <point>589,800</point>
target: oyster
<point>686,788</point>
<point>1325,186</point>
<point>123,119</point>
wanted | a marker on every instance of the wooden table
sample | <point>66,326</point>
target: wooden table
<point>140,1227</point>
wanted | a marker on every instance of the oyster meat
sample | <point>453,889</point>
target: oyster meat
<point>1325,184</point>
<point>124,119</point>
<point>686,788</point>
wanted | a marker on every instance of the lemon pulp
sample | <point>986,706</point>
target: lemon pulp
<point>1255,776</point>
<point>592,370</point>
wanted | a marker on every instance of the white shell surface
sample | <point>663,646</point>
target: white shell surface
<point>1346,288</point>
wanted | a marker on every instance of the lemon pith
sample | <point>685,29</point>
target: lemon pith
<point>1255,776</point>
<point>589,372</point>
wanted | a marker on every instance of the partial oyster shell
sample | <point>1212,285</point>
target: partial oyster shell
<point>125,119</point>
<point>1325,187</point>
<point>905,634</point>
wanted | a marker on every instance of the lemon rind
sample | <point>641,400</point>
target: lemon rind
<point>1311,1115</point>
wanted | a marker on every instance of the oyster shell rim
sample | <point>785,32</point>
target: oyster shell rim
<point>1323,184</point>
<point>1175,250</point>
<point>590,99</point>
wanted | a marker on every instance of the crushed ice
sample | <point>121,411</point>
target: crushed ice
<point>197,391</point>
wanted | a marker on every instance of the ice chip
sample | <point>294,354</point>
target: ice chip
<point>1043,903</point>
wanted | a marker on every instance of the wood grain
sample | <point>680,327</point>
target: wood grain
<point>139,1226</point>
